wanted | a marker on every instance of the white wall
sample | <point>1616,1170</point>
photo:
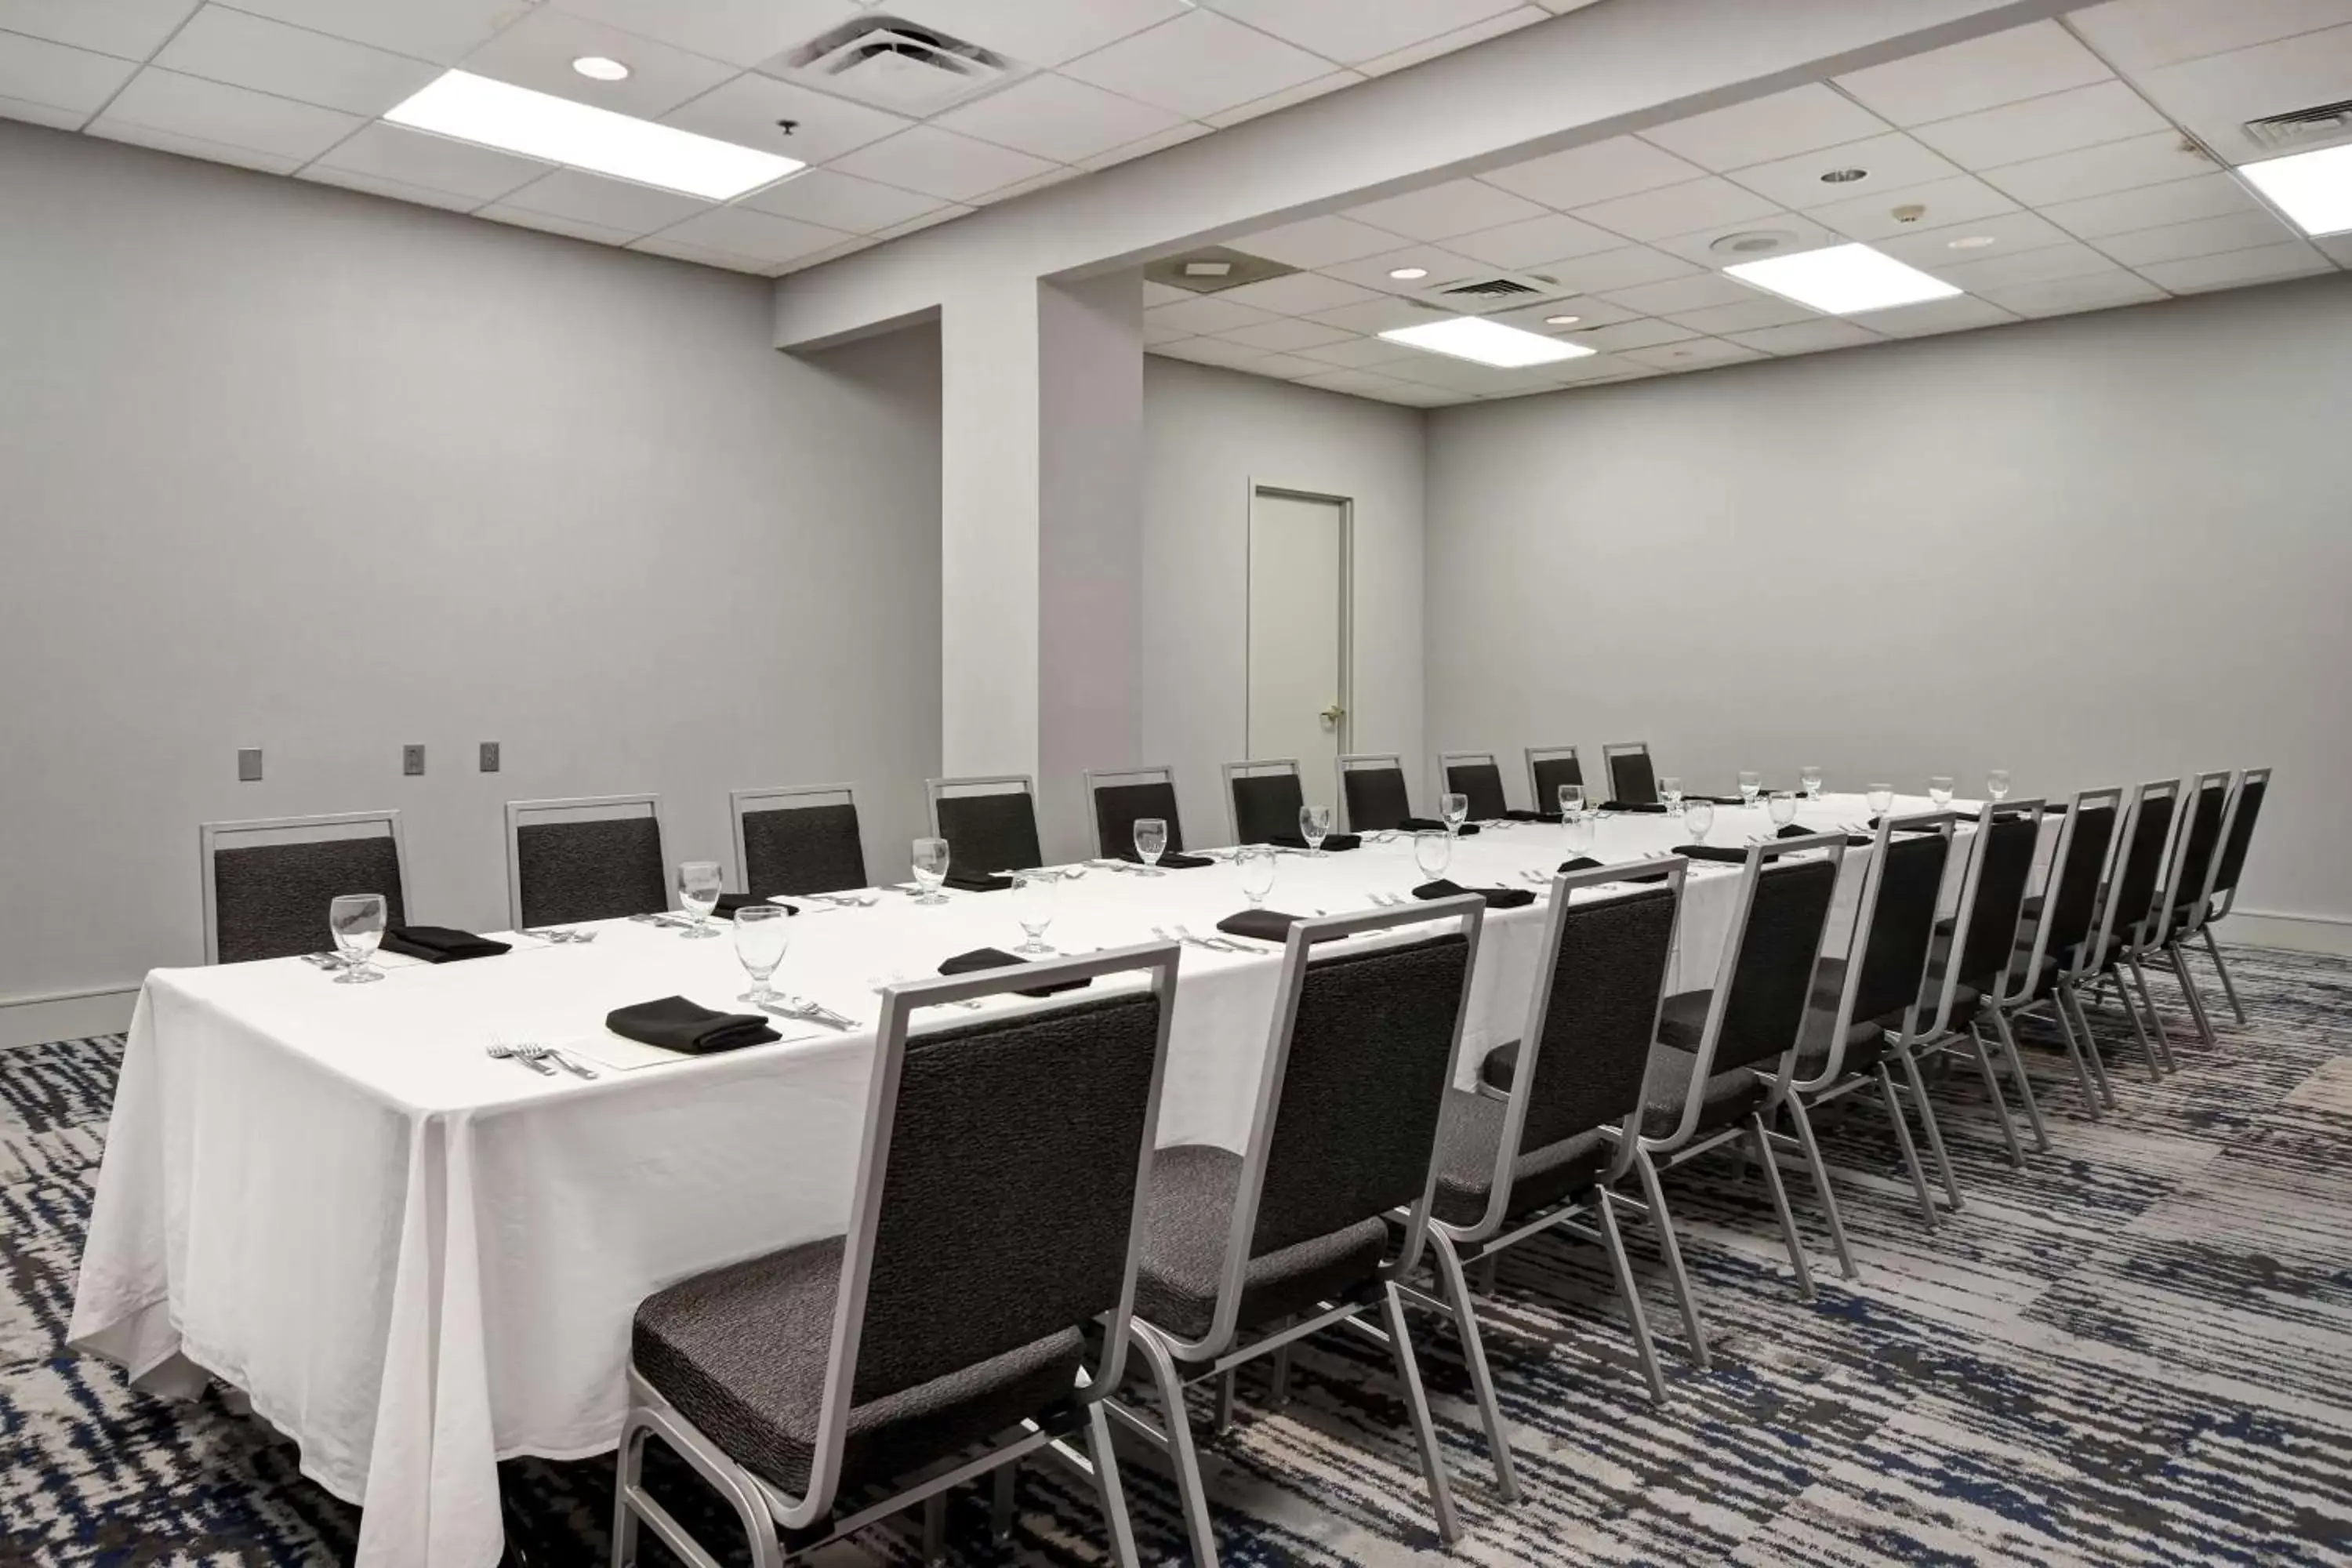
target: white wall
<point>1209,435</point>
<point>286,466</point>
<point>2105,549</point>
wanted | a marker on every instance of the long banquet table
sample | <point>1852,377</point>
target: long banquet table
<point>416,1260</point>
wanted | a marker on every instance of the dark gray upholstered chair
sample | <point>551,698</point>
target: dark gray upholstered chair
<point>1632,778</point>
<point>2131,908</point>
<point>800,839</point>
<point>598,857</point>
<point>1479,779</point>
<point>1118,796</point>
<point>1547,1153</point>
<point>1250,1252</point>
<point>1548,767</point>
<point>1373,792</point>
<point>268,882</point>
<point>1857,1029</point>
<point>998,1216</point>
<point>2055,934</point>
<point>990,823</point>
<point>2205,880</point>
<point>1266,798</point>
<point>2230,865</point>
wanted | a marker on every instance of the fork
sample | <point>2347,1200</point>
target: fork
<point>1215,943</point>
<point>506,1053</point>
<point>803,1008</point>
<point>535,1055</point>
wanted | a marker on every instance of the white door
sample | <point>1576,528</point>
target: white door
<point>1298,635</point>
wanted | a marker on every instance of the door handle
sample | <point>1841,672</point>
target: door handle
<point>1332,715</point>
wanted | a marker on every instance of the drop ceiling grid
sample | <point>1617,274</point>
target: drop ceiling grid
<point>2088,182</point>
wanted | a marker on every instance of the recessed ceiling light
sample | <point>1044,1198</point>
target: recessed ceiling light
<point>1208,270</point>
<point>2315,189</point>
<point>596,67</point>
<point>1844,176</point>
<point>1485,342</point>
<point>1843,279</point>
<point>1972,242</point>
<point>1561,320</point>
<point>539,125</point>
<point>1407,274</point>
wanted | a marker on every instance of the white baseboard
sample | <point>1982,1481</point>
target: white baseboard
<point>65,1016</point>
<point>2303,934</point>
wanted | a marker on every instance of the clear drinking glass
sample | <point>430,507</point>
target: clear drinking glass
<point>1750,783</point>
<point>761,936</point>
<point>1579,834</point>
<point>1670,790</point>
<point>1454,810</point>
<point>1699,817</point>
<point>1940,790</point>
<point>931,857</point>
<point>1878,797</point>
<point>1811,778</point>
<point>699,883</point>
<point>1034,893</point>
<point>357,921</point>
<point>1997,784</point>
<point>1572,800</point>
<point>1782,806</point>
<point>1432,852</point>
<point>1315,826</point>
<point>1256,864</point>
<point>1150,843</point>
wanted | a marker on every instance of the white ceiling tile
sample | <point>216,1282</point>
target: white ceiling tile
<point>2041,127</point>
<point>929,220</point>
<point>1361,29</point>
<point>548,223</point>
<point>222,44</point>
<point>1441,265</point>
<point>940,163</point>
<point>2204,236</point>
<point>702,255</point>
<point>1210,351</point>
<point>1662,214</point>
<point>1441,212</point>
<point>1198,63</point>
<point>1960,79</point>
<point>1360,383</point>
<point>77,81</point>
<point>1255,107</point>
<point>413,159</point>
<point>33,113</point>
<point>2138,34</point>
<point>2040,264</point>
<point>1145,147</point>
<point>2230,270</point>
<point>2338,246</point>
<point>741,32</point>
<point>1780,125</point>
<point>1555,236</point>
<point>1155,333</point>
<point>1933,316</point>
<point>1800,234</point>
<point>1963,199</point>
<point>537,52</point>
<point>2212,97</point>
<point>835,200</point>
<point>2063,296</point>
<point>2148,207</point>
<point>1207,314</point>
<point>1287,335</point>
<point>1358,352</point>
<point>234,116</point>
<point>442,31</point>
<point>1625,268</point>
<point>1037,182</point>
<point>1890,163</point>
<point>1746,316</point>
<point>1589,309</point>
<point>1317,242</point>
<point>397,190</point>
<point>1379,315</point>
<point>1807,337</point>
<point>1597,367</point>
<point>609,203</point>
<point>1299,294</point>
<point>1286,367</point>
<point>1420,394</point>
<point>1681,294</point>
<point>1642,334</point>
<point>1494,27</point>
<point>127,30</point>
<point>740,231</point>
<point>2096,171</point>
<point>746,109</point>
<point>1035,33</point>
<point>2010,233</point>
<point>1052,116</point>
<point>114,130</point>
<point>1156,293</point>
<point>1599,173</point>
<point>819,258</point>
<point>1694,354</point>
<point>1461,374</point>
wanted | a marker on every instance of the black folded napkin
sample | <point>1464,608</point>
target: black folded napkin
<point>1720,799</point>
<point>1172,860</point>
<point>1794,830</point>
<point>1515,814</point>
<point>1653,808</point>
<point>977,881</point>
<point>981,958</point>
<point>440,944</point>
<point>1712,852</point>
<point>1497,898</point>
<point>729,902</point>
<point>1581,863</point>
<point>1876,821</point>
<point>1428,824</point>
<point>1334,841</point>
<point>675,1024</point>
<point>1265,925</point>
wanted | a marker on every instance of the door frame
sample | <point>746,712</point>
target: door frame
<point>1346,693</point>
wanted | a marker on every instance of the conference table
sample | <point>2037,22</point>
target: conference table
<point>415,1260</point>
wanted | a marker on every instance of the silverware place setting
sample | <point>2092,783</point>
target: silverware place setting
<point>536,1057</point>
<point>802,1010</point>
<point>560,935</point>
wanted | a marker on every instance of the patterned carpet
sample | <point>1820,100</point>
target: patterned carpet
<point>2137,1350</point>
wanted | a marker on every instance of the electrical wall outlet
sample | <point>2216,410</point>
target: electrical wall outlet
<point>248,765</point>
<point>489,756</point>
<point>412,761</point>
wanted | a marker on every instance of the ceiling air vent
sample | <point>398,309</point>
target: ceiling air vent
<point>897,65</point>
<point>1489,291</point>
<point>2304,128</point>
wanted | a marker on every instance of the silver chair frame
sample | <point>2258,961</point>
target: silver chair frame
<point>1547,753</point>
<point>2208,910</point>
<point>742,802</point>
<point>1447,760</point>
<point>765,1509</point>
<point>304,829</point>
<point>595,806</point>
<point>1216,1355</point>
<point>1148,773</point>
<point>2112,946</point>
<point>2188,891</point>
<point>1259,768</point>
<point>2065,1006</point>
<point>1612,750</point>
<point>1367,762</point>
<point>977,784</point>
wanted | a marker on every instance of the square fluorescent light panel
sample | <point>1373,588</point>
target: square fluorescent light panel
<point>1843,279</point>
<point>1482,342</point>
<point>468,108</point>
<point>2315,189</point>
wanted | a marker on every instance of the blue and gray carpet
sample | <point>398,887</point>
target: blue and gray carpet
<point>2137,1350</point>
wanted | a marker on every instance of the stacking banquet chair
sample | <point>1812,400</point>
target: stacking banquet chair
<point>2218,894</point>
<point>1326,1209</point>
<point>1857,1023</point>
<point>802,839</point>
<point>1119,797</point>
<point>1477,778</point>
<point>1548,767</point>
<point>2130,906</point>
<point>598,857</point>
<point>2195,853</point>
<point>267,883</point>
<point>1372,793</point>
<point>1266,798</point>
<point>2056,935</point>
<point>1546,1153</point>
<point>1632,779</point>
<point>990,823</point>
<point>997,1216</point>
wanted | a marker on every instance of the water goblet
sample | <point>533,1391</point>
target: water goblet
<point>1314,826</point>
<point>1940,790</point>
<point>356,921</point>
<point>1432,852</point>
<point>1698,816</point>
<point>1454,810</point>
<point>1782,806</point>
<point>1256,863</point>
<point>1579,834</point>
<point>1670,790</point>
<point>1997,784</point>
<point>699,884</point>
<point>1571,802</point>
<point>761,936</point>
<point>1878,797</point>
<point>1150,843</point>
<point>1810,779</point>
<point>1033,905</point>
<point>930,867</point>
<point>1750,783</point>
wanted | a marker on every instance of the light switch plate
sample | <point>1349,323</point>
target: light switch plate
<point>412,761</point>
<point>248,765</point>
<point>489,756</point>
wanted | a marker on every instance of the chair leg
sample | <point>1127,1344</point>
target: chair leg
<point>1929,1125</point>
<point>1473,1352</point>
<point>935,1529</point>
<point>1910,1150</point>
<point>2228,988</point>
<point>630,1466</point>
<point>2069,998</point>
<point>1190,1494</point>
<point>1482,1273</point>
<point>1224,1420</point>
<point>1424,1430</point>
<point>1114,1493</point>
<point>1654,1192</point>
<point>2025,1083</point>
<point>1763,1150</point>
<point>1820,1184</point>
<point>2158,1034</point>
<point>1280,1376</point>
<point>999,1502</point>
<point>2000,1102</point>
<point>2196,999</point>
<point>1624,1270</point>
<point>2058,1010</point>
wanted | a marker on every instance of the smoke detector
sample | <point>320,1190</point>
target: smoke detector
<point>894,64</point>
<point>1750,242</point>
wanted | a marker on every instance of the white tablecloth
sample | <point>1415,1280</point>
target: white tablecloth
<point>417,1260</point>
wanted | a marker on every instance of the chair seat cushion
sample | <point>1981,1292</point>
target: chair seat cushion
<point>1191,1216</point>
<point>1466,1141</point>
<point>742,1353</point>
<point>1728,1096</point>
<point>1865,1043</point>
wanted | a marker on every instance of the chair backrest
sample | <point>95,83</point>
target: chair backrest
<point>1121,796</point>
<point>799,840</point>
<point>268,882</point>
<point>1632,779</point>
<point>2196,849</point>
<point>1372,792</point>
<point>1266,798</point>
<point>2070,896</point>
<point>1894,927</point>
<point>597,858</point>
<point>1000,1196</point>
<point>2127,912</point>
<point>1992,904</point>
<point>1548,767</point>
<point>1477,777</point>
<point>990,823</point>
<point>2238,832</point>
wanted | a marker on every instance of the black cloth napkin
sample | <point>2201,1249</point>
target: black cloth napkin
<point>1712,852</point>
<point>1794,830</point>
<point>1265,925</point>
<point>1651,808</point>
<point>1173,860</point>
<point>1586,863</point>
<point>1719,799</point>
<point>1876,821</point>
<point>981,958</point>
<point>729,902</point>
<point>1431,825</point>
<point>977,881</point>
<point>1516,815</point>
<point>440,944</point>
<point>1336,841</point>
<point>1497,898</point>
<point>675,1024</point>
